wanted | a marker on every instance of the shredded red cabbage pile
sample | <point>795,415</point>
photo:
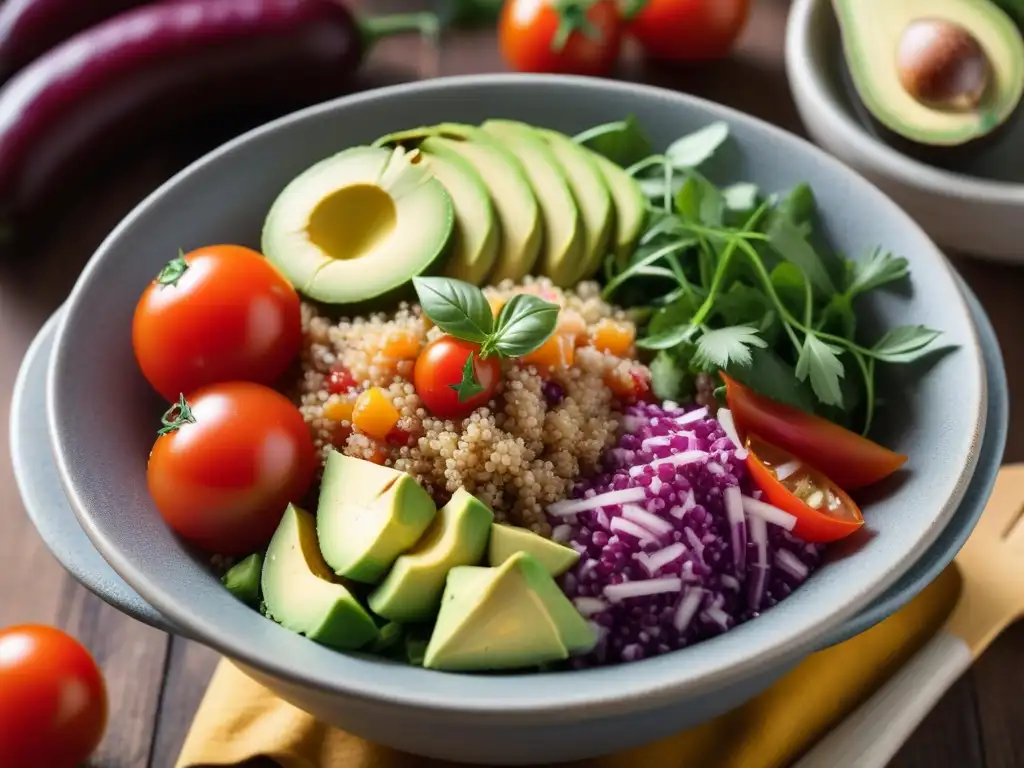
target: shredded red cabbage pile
<point>675,544</point>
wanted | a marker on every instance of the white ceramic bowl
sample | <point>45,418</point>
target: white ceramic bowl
<point>979,215</point>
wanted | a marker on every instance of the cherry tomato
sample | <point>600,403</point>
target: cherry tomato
<point>230,460</point>
<point>53,702</point>
<point>822,509</point>
<point>850,460</point>
<point>580,37</point>
<point>689,30</point>
<point>439,370</point>
<point>221,313</point>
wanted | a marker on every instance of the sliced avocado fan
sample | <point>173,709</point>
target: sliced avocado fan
<point>888,45</point>
<point>359,225</point>
<point>563,254</point>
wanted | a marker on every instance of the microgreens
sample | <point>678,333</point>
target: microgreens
<point>735,280</point>
<point>461,310</point>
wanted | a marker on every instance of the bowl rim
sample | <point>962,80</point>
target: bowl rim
<point>807,76</point>
<point>723,661</point>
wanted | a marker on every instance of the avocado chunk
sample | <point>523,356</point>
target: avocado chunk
<point>477,234</point>
<point>507,540</point>
<point>412,590</point>
<point>518,213</point>
<point>573,629</point>
<point>357,226</point>
<point>243,579</point>
<point>368,515</point>
<point>491,619</point>
<point>562,254</point>
<point>939,73</point>
<point>592,197</point>
<point>630,207</point>
<point>301,594</point>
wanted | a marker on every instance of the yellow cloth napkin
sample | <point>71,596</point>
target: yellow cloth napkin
<point>239,720</point>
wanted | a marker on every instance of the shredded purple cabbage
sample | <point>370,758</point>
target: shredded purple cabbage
<point>681,562</point>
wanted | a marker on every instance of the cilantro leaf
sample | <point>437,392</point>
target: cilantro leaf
<point>789,242</point>
<point>821,363</point>
<point>881,268</point>
<point>905,343</point>
<point>469,387</point>
<point>670,375</point>
<point>722,346</point>
<point>774,378</point>
<point>623,143</point>
<point>699,201</point>
<point>694,148</point>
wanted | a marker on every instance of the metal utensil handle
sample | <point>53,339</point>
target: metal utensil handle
<point>871,735</point>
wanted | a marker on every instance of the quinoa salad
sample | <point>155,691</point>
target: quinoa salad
<point>493,398</point>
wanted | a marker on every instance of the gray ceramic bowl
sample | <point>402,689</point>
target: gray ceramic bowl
<point>101,416</point>
<point>978,210</point>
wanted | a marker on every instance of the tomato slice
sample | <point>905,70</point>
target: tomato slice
<point>822,509</point>
<point>850,460</point>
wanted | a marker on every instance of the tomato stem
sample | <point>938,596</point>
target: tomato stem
<point>173,270</point>
<point>176,416</point>
<point>572,17</point>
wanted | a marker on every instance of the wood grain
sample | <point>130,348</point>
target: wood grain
<point>156,682</point>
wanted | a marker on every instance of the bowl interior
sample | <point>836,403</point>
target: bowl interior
<point>103,415</point>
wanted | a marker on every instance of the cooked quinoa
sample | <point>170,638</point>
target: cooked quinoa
<point>521,452</point>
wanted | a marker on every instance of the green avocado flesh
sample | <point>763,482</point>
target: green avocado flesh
<point>562,254</point>
<point>243,579</point>
<point>592,197</point>
<point>509,617</point>
<point>508,540</point>
<point>359,225</point>
<point>411,592</point>
<point>872,31</point>
<point>301,593</point>
<point>367,516</point>
<point>630,207</point>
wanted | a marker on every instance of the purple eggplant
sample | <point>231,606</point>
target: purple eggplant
<point>29,28</point>
<point>156,66</point>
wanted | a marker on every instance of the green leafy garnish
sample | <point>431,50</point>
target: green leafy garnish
<point>461,310</point>
<point>469,387</point>
<point>735,280</point>
<point>622,142</point>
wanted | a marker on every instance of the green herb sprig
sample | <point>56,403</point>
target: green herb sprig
<point>741,282</point>
<point>461,310</point>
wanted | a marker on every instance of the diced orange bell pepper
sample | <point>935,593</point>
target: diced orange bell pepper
<point>401,345</point>
<point>557,352</point>
<point>339,408</point>
<point>374,414</point>
<point>613,338</point>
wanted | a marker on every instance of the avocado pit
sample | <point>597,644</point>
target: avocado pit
<point>942,65</point>
<point>352,221</point>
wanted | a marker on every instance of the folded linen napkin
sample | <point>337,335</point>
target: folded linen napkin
<point>240,721</point>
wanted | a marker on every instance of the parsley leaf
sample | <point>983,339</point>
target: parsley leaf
<point>722,346</point>
<point>624,143</point>
<point>821,363</point>
<point>789,242</point>
<point>469,387</point>
<point>881,268</point>
<point>905,343</point>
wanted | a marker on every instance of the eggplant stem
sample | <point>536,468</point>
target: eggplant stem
<point>374,28</point>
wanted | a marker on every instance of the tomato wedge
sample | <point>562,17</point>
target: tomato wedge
<point>849,460</point>
<point>822,509</point>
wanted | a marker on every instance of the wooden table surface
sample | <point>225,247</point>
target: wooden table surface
<point>155,681</point>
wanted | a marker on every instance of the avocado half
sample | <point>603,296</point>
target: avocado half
<point>888,46</point>
<point>355,228</point>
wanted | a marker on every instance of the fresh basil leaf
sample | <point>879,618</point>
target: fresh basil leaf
<point>789,242</point>
<point>668,338</point>
<point>626,146</point>
<point>670,375</point>
<point>905,344</point>
<point>880,268</point>
<point>456,307</point>
<point>820,362</point>
<point>524,324</point>
<point>724,346</point>
<point>695,148</point>
<point>468,387</point>
<point>774,378</point>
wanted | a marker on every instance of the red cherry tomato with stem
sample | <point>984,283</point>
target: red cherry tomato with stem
<point>688,30</point>
<point>220,313</point>
<point>229,461</point>
<point>440,369</point>
<point>580,37</point>
<point>53,701</point>
<point>822,509</point>
<point>851,461</point>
